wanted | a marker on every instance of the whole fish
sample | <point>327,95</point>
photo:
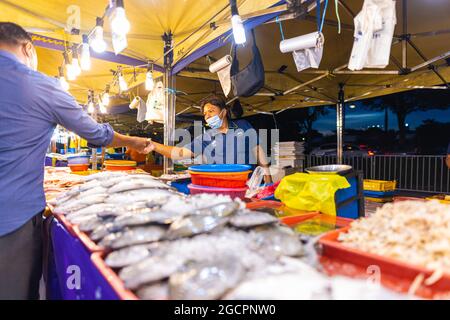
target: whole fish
<point>135,184</point>
<point>102,231</point>
<point>157,291</point>
<point>220,210</point>
<point>104,175</point>
<point>136,219</point>
<point>194,224</point>
<point>149,270</point>
<point>206,280</point>
<point>95,209</point>
<point>137,208</point>
<point>129,197</point>
<point>107,240</point>
<point>127,256</point>
<point>82,218</point>
<point>139,235</point>
<point>249,219</point>
<point>278,240</point>
<point>92,224</point>
<point>80,203</point>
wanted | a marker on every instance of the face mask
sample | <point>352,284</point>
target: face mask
<point>215,122</point>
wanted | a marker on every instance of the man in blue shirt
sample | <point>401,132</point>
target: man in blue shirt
<point>31,105</point>
<point>226,142</point>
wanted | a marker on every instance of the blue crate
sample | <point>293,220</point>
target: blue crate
<point>181,185</point>
<point>351,209</point>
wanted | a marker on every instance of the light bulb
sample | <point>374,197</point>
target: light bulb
<point>149,83</point>
<point>90,107</point>
<point>105,99</point>
<point>122,83</point>
<point>119,42</point>
<point>101,107</point>
<point>71,73</point>
<point>64,83</point>
<point>85,59</point>
<point>98,43</point>
<point>76,67</point>
<point>238,29</point>
<point>119,22</point>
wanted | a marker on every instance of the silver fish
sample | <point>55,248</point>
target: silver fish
<point>102,231</point>
<point>138,208</point>
<point>136,219</point>
<point>220,210</point>
<point>95,209</point>
<point>104,175</point>
<point>127,256</point>
<point>129,197</point>
<point>79,203</point>
<point>107,240</point>
<point>194,224</point>
<point>82,218</point>
<point>139,235</point>
<point>152,269</point>
<point>250,219</point>
<point>157,291</point>
<point>279,240</point>
<point>92,224</point>
<point>206,280</point>
<point>137,184</point>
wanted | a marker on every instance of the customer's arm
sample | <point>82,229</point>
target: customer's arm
<point>64,110</point>
<point>448,161</point>
<point>175,153</point>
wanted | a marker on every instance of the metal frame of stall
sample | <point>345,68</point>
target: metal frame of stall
<point>284,10</point>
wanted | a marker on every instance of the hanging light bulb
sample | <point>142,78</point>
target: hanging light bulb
<point>119,22</point>
<point>98,43</point>
<point>238,29</point>
<point>85,60</point>
<point>91,107</point>
<point>101,106</point>
<point>75,61</point>
<point>123,86</point>
<point>70,72</point>
<point>149,83</point>
<point>62,79</point>
<point>105,97</point>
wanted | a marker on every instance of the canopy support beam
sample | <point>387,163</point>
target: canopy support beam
<point>340,118</point>
<point>170,96</point>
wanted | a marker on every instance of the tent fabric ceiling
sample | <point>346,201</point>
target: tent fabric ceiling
<point>150,19</point>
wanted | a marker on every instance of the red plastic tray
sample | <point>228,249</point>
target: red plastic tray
<point>76,232</point>
<point>398,274</point>
<point>232,192</point>
<point>220,180</point>
<point>112,277</point>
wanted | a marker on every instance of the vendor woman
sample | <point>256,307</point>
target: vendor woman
<point>225,142</point>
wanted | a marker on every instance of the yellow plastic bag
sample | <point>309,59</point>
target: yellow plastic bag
<point>311,192</point>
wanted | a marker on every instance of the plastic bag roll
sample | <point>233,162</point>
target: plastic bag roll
<point>305,41</point>
<point>220,64</point>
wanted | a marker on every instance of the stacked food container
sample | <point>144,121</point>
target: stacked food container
<point>227,179</point>
<point>78,163</point>
<point>119,165</point>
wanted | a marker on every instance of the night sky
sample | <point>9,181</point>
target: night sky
<point>361,117</point>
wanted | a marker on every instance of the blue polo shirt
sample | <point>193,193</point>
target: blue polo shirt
<point>31,104</point>
<point>234,147</point>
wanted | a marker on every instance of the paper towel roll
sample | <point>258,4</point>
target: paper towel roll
<point>305,41</point>
<point>220,64</point>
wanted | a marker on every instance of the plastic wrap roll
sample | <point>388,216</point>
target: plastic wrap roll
<point>220,64</point>
<point>223,68</point>
<point>303,42</point>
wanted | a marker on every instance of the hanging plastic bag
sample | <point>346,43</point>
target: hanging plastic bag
<point>380,48</point>
<point>156,104</point>
<point>374,29</point>
<point>309,192</point>
<point>223,68</point>
<point>310,56</point>
<point>141,106</point>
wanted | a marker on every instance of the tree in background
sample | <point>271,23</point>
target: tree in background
<point>306,119</point>
<point>405,103</point>
<point>432,137</point>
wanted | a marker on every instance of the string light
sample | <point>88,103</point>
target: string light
<point>105,97</point>
<point>149,82</point>
<point>75,63</point>
<point>62,79</point>
<point>98,43</point>
<point>91,107</point>
<point>85,60</point>
<point>71,74</point>
<point>101,106</point>
<point>119,22</point>
<point>123,86</point>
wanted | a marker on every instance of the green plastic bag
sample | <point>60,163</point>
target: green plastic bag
<point>311,192</point>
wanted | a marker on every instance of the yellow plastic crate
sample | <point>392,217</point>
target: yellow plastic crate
<point>445,199</point>
<point>379,200</point>
<point>379,185</point>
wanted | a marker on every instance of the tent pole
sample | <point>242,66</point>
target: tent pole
<point>405,31</point>
<point>169,111</point>
<point>340,123</point>
<point>429,62</point>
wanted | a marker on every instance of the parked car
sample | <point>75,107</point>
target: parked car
<point>350,150</point>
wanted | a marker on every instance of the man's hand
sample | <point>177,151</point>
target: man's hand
<point>143,145</point>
